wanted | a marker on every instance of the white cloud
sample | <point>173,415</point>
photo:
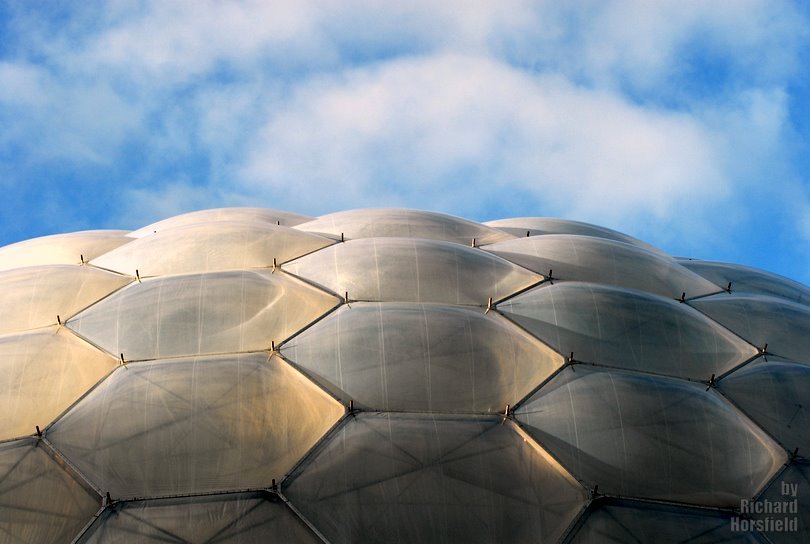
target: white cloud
<point>479,130</point>
<point>22,85</point>
<point>646,44</point>
<point>167,43</point>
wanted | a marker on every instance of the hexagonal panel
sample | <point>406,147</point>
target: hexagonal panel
<point>774,393</point>
<point>218,312</point>
<point>34,296</point>
<point>69,248</point>
<point>638,435</point>
<point>620,521</point>
<point>422,357</point>
<point>263,215</point>
<point>586,258</point>
<point>430,478</point>
<point>745,279</point>
<point>239,518</point>
<point>39,501</point>
<point>42,373</point>
<point>206,247</point>
<point>412,270</point>
<point>194,425</point>
<point>627,329</point>
<point>761,319</point>
<point>397,222</point>
<point>539,226</point>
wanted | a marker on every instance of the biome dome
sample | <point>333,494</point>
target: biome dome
<point>247,375</point>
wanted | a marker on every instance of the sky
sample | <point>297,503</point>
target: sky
<point>685,124</point>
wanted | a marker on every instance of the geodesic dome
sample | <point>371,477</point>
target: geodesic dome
<point>249,375</point>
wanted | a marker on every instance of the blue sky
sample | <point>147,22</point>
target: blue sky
<point>686,124</point>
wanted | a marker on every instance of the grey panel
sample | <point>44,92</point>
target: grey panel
<point>638,435</point>
<point>774,393</point>
<point>619,522</point>
<point>586,258</point>
<point>243,518</point>
<point>745,279</point>
<point>422,357</point>
<point>627,329</point>
<point>790,493</point>
<point>784,326</point>
<point>409,478</point>
<point>194,425</point>
<point>539,226</point>
<point>39,501</point>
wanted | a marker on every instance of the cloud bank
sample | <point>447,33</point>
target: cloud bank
<point>679,123</point>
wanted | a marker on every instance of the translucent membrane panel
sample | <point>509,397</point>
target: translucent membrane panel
<point>262,215</point>
<point>41,374</point>
<point>619,522</point>
<point>34,296</point>
<point>744,279</point>
<point>205,247</point>
<point>644,436</point>
<point>627,329</point>
<point>774,394</point>
<point>760,319</point>
<point>411,478</point>
<point>410,270</point>
<point>219,312</point>
<point>422,357</point>
<point>394,222</point>
<point>39,501</point>
<point>243,518</point>
<point>68,248</point>
<point>782,512</point>
<point>585,258</point>
<point>194,425</point>
<point>537,226</point>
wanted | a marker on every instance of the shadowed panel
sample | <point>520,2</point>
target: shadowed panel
<point>39,501</point>
<point>619,522</point>
<point>586,258</point>
<point>627,329</point>
<point>638,435</point>
<point>420,478</point>
<point>243,518</point>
